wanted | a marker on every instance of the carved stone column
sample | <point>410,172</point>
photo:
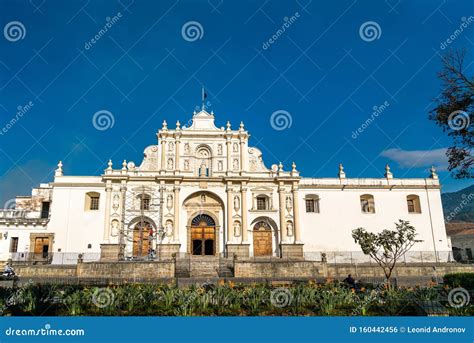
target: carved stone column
<point>296,215</point>
<point>176,213</point>
<point>108,199</point>
<point>229,212</point>
<point>281,209</point>
<point>229,152</point>
<point>163,155</point>
<point>244,215</point>
<point>178,141</point>
<point>243,146</point>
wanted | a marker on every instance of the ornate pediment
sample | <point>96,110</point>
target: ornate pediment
<point>150,159</point>
<point>203,121</point>
<point>256,163</point>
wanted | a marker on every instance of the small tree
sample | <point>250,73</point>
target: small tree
<point>388,246</point>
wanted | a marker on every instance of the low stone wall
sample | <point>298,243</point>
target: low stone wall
<point>403,270</point>
<point>311,269</point>
<point>126,270</point>
<point>45,271</point>
<point>112,270</point>
<point>277,269</point>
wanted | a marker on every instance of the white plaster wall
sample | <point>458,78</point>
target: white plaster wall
<point>340,213</point>
<point>74,227</point>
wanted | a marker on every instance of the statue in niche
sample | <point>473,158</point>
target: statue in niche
<point>219,149</point>
<point>203,170</point>
<point>186,148</point>
<point>170,163</point>
<point>169,228</point>
<point>220,166</point>
<point>236,164</point>
<point>236,147</point>
<point>186,165</point>
<point>289,229</point>
<point>170,146</point>
<point>203,198</point>
<point>289,204</point>
<point>169,202</point>
<point>116,202</point>
<point>114,228</point>
<point>237,229</point>
<point>236,203</point>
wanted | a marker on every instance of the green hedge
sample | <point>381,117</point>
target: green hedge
<point>465,280</point>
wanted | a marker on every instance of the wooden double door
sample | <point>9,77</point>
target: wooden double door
<point>141,240</point>
<point>41,248</point>
<point>203,240</point>
<point>262,240</point>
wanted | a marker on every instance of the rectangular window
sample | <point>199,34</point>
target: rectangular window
<point>14,244</point>
<point>411,206</point>
<point>45,209</point>
<point>94,203</point>
<point>310,205</point>
<point>146,204</point>
<point>261,203</point>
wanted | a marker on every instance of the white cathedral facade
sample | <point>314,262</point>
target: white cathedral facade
<point>201,190</point>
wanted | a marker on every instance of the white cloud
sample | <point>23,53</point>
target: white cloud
<point>418,158</point>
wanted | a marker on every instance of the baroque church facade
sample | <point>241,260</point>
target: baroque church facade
<point>202,190</point>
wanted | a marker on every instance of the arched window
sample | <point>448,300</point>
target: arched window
<point>92,201</point>
<point>413,203</point>
<point>367,203</point>
<point>312,203</point>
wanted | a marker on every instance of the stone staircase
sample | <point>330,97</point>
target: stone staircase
<point>204,267</point>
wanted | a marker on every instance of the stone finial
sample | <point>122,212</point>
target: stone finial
<point>109,165</point>
<point>59,170</point>
<point>341,174</point>
<point>433,173</point>
<point>242,127</point>
<point>293,167</point>
<point>228,126</point>
<point>388,173</point>
<point>165,125</point>
<point>178,125</point>
<point>280,167</point>
<point>124,165</point>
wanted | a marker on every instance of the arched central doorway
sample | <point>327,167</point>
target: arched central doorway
<point>203,235</point>
<point>262,239</point>
<point>142,239</point>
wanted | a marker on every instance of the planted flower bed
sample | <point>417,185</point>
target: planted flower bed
<point>226,299</point>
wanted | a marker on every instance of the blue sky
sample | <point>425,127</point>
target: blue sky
<point>323,72</point>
